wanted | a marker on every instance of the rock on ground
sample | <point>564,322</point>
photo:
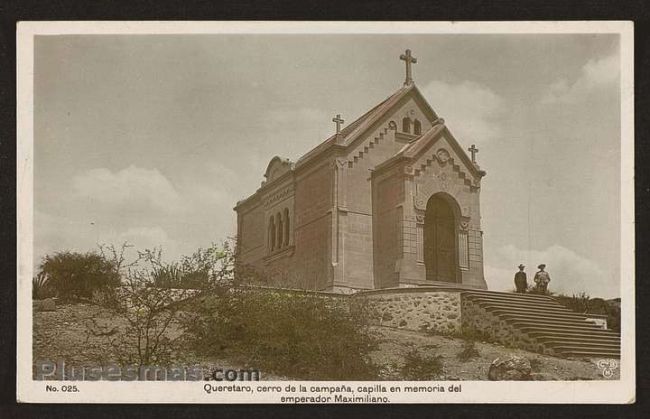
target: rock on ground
<point>514,368</point>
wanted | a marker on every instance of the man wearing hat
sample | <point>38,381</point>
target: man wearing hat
<point>542,278</point>
<point>521,283</point>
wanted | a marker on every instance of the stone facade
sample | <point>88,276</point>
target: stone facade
<point>351,214</point>
<point>438,312</point>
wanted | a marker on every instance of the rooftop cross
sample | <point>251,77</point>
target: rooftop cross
<point>338,122</point>
<point>473,150</point>
<point>409,59</point>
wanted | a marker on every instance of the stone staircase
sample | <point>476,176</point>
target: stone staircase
<point>538,323</point>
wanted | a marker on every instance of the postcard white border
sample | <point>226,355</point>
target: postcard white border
<point>619,391</point>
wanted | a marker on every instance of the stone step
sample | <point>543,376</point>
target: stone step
<point>525,326</point>
<point>541,311</point>
<point>517,303</point>
<point>583,345</point>
<point>542,337</point>
<point>548,323</point>
<point>580,353</point>
<point>570,350</point>
<point>512,297</point>
<point>524,305</point>
<point>532,311</point>
<point>559,319</point>
<point>591,337</point>
<point>508,296</point>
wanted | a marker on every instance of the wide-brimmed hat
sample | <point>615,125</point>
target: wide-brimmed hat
<point>541,266</point>
<point>521,266</point>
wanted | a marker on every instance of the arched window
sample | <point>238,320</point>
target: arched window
<point>271,234</point>
<point>406,125</point>
<point>278,217</point>
<point>286,227</point>
<point>417,127</point>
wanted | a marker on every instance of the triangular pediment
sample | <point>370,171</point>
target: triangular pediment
<point>437,144</point>
<point>387,110</point>
<point>393,110</point>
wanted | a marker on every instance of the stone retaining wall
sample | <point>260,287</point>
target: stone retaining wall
<point>416,309</point>
<point>435,309</point>
<point>490,327</point>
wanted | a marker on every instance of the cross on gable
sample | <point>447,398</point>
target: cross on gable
<point>473,150</point>
<point>338,121</point>
<point>408,59</point>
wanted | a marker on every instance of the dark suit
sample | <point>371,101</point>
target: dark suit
<point>520,281</point>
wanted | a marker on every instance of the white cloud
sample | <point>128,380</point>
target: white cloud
<point>143,237</point>
<point>471,110</point>
<point>570,272</point>
<point>293,116</point>
<point>594,75</point>
<point>132,189</point>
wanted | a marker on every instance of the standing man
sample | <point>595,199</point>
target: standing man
<point>521,283</point>
<point>542,278</point>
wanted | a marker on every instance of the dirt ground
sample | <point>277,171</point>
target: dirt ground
<point>65,335</point>
<point>396,343</point>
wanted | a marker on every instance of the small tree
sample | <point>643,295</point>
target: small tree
<point>77,275</point>
<point>152,294</point>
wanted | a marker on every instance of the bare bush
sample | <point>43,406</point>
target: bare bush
<point>421,367</point>
<point>150,311</point>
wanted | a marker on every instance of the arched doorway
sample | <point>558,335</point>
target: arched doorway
<point>440,240</point>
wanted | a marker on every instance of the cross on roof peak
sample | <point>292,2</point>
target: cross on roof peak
<point>473,150</point>
<point>408,59</point>
<point>338,121</point>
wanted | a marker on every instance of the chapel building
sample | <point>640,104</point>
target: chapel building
<point>390,200</point>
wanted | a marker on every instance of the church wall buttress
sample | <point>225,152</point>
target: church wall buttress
<point>388,195</point>
<point>312,268</point>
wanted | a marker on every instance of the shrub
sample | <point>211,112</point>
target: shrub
<point>535,364</point>
<point>299,335</point>
<point>469,351</point>
<point>77,275</point>
<point>579,303</point>
<point>41,288</point>
<point>471,334</point>
<point>420,367</point>
<point>108,297</point>
<point>582,303</point>
<point>204,269</point>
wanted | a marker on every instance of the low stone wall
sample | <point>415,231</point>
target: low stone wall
<point>435,310</point>
<point>439,310</point>
<point>485,324</point>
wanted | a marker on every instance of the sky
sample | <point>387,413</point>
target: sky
<point>152,139</point>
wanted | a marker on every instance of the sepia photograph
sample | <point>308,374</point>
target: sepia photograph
<point>275,212</point>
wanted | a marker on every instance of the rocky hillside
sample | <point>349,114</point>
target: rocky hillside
<point>397,344</point>
<point>76,333</point>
